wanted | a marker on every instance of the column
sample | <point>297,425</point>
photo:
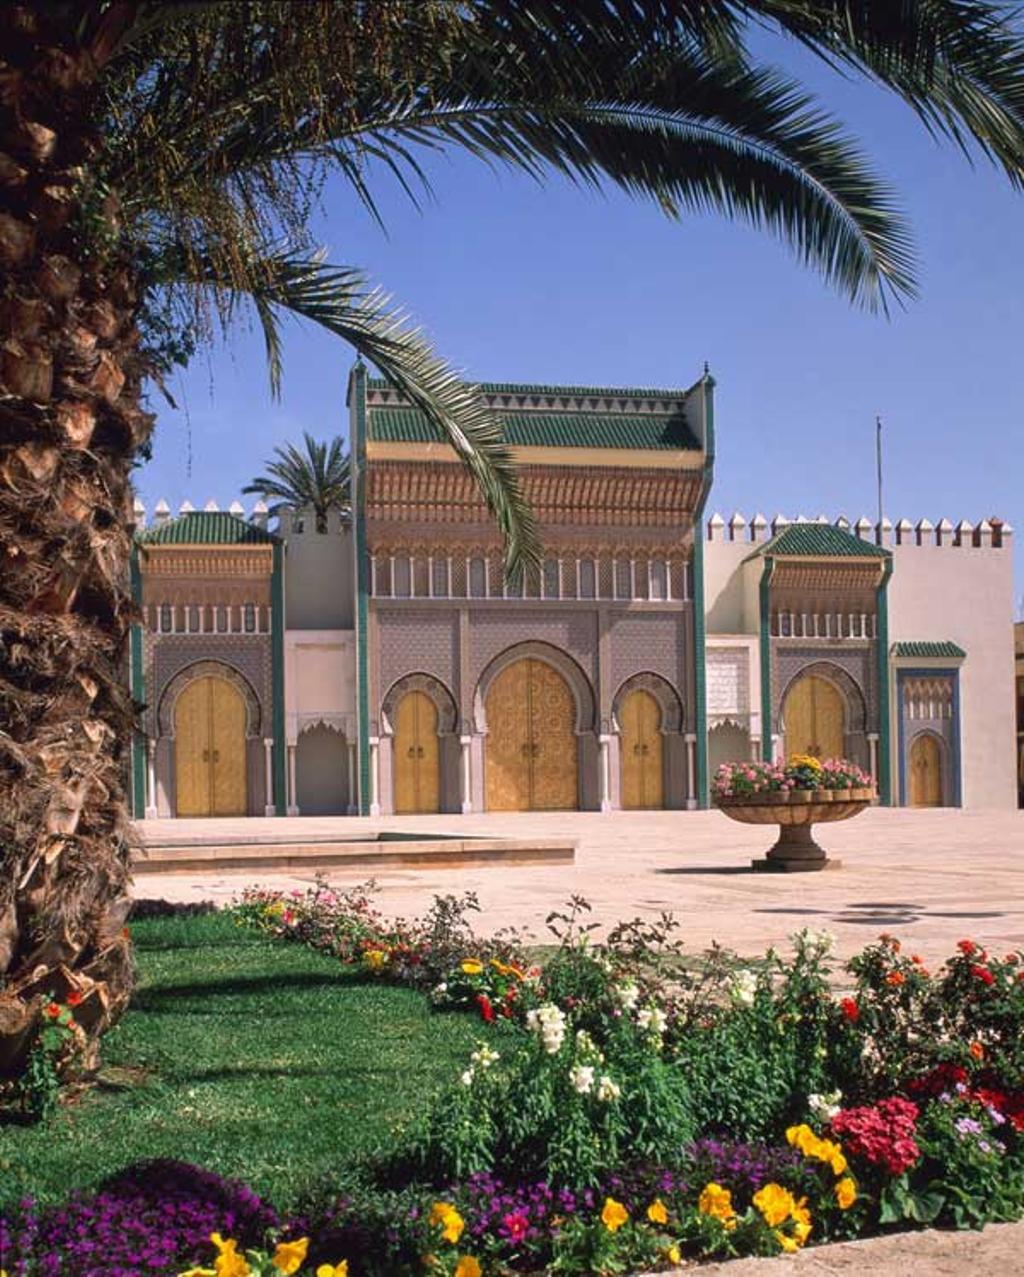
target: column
<point>873,748</point>
<point>268,770</point>
<point>374,776</point>
<point>293,806</point>
<point>353,806</point>
<point>151,809</point>
<point>467,775</point>
<point>755,749</point>
<point>691,771</point>
<point>606,772</point>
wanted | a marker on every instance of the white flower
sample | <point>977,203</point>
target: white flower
<point>825,1107</point>
<point>742,987</point>
<point>653,1019</point>
<point>467,1078</point>
<point>582,1078</point>
<point>607,1089</point>
<point>548,1022</point>
<point>626,995</point>
<point>439,992</point>
<point>824,941</point>
<point>485,1057</point>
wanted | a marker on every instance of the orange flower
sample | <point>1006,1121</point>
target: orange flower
<point>977,1050</point>
<point>53,1010</point>
<point>916,959</point>
<point>896,978</point>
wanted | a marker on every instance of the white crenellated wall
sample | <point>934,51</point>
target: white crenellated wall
<point>950,581</point>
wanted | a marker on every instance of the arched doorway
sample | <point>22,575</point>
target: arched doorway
<point>814,718</point>
<point>643,772</point>
<point>321,758</point>
<point>209,749</point>
<point>926,771</point>
<point>728,742</point>
<point>417,756</point>
<point>531,761</point>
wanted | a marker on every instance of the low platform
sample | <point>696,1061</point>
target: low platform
<point>197,851</point>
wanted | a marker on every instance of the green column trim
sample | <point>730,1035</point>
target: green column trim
<point>765,641</point>
<point>137,687</point>
<point>357,414</point>
<point>277,677</point>
<point>882,653</point>
<point>700,726</point>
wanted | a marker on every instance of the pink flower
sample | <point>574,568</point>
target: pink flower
<point>515,1225</point>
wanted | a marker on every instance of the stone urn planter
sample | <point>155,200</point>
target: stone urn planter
<point>795,812</point>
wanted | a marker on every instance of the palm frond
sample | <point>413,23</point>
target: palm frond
<point>339,300</point>
<point>317,479</point>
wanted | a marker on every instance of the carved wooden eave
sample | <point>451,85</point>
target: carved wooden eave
<point>827,573</point>
<point>206,561</point>
<point>444,495</point>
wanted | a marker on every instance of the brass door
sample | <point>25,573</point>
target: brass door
<point>643,784</point>
<point>209,750</point>
<point>925,772</point>
<point>531,740</point>
<point>813,717</point>
<point>417,755</point>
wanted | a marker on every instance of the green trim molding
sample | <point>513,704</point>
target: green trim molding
<point>765,648</point>
<point>137,686</point>
<point>944,650</point>
<point>357,428</point>
<point>277,679</point>
<point>699,622</point>
<point>884,716</point>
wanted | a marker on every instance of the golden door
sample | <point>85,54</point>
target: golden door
<point>417,756</point>
<point>643,783</point>
<point>209,750</point>
<point>813,716</point>
<point>531,740</point>
<point>925,772</point>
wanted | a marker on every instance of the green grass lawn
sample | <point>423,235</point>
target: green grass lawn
<point>254,1058</point>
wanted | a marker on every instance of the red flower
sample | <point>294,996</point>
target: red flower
<point>966,946</point>
<point>486,1010</point>
<point>53,1010</point>
<point>514,1225</point>
<point>74,998</point>
<point>896,978</point>
<point>983,974</point>
<point>882,1134</point>
<point>850,1010</point>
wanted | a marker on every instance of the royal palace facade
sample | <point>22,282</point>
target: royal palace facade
<point>384,664</point>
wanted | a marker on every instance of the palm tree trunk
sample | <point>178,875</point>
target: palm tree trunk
<point>70,426</point>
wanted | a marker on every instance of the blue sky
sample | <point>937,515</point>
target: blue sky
<point>516,282</point>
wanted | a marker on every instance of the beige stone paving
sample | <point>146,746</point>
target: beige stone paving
<point>930,877</point>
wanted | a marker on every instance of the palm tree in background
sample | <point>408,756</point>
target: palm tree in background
<point>159,166</point>
<point>316,480</point>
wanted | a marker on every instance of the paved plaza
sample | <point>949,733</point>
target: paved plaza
<point>930,877</point>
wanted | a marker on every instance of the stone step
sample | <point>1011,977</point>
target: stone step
<point>202,853</point>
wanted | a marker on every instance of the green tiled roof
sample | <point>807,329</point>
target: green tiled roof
<point>816,539</point>
<point>527,388</point>
<point>206,527</point>
<point>918,649</point>
<point>547,429</point>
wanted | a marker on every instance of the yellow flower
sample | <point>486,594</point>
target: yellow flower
<point>788,1244</point>
<point>656,1212</point>
<point>805,760</point>
<point>229,1263</point>
<point>290,1256</point>
<point>716,1201</point>
<point>613,1215</point>
<point>191,1272</point>
<point>673,1254</point>
<point>333,1270</point>
<point>375,958</point>
<point>836,1158</point>
<point>801,1221</point>
<point>846,1193</point>
<point>452,1223</point>
<point>775,1203</point>
<point>472,966</point>
<point>803,1138</point>
<point>468,1267</point>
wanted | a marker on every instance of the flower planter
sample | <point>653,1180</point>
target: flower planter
<point>795,813</point>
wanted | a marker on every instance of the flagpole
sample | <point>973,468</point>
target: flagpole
<point>878,465</point>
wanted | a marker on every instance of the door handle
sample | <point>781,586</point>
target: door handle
<point>206,755</point>
<point>216,755</point>
<point>419,751</point>
<point>411,752</point>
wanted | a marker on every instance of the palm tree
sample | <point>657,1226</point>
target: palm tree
<point>158,165</point>
<point>317,480</point>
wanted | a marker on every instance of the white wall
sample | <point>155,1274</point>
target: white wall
<point>965,593</point>
<point>319,681</point>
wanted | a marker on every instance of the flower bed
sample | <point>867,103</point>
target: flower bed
<point>647,1108</point>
